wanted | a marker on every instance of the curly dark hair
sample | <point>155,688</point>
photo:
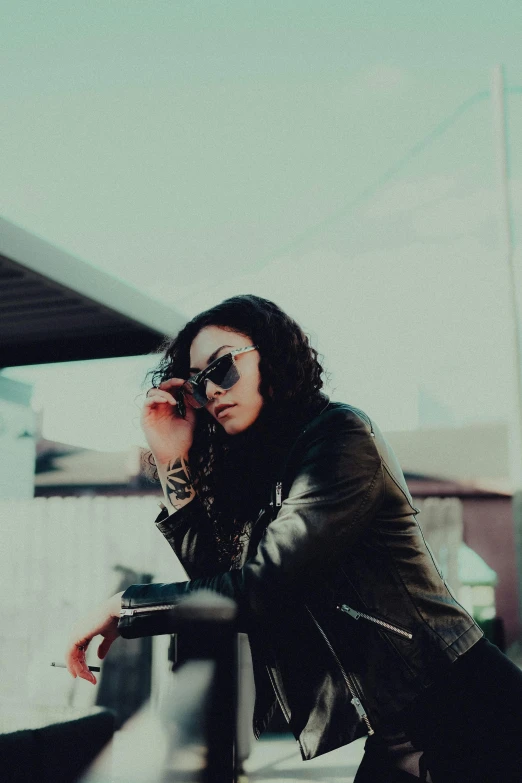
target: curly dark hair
<point>233,474</point>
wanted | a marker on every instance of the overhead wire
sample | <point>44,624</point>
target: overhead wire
<point>413,152</point>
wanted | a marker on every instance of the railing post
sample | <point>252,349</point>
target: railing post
<point>207,627</point>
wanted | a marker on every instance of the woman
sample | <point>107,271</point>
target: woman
<point>296,507</point>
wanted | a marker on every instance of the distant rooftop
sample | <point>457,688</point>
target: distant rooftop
<point>475,456</point>
<point>62,468</point>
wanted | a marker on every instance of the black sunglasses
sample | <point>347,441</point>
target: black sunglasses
<point>223,372</point>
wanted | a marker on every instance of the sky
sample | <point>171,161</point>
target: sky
<point>337,158</point>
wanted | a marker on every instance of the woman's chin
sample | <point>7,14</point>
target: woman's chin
<point>233,427</point>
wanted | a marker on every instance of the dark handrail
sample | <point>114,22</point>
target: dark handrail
<point>192,736</point>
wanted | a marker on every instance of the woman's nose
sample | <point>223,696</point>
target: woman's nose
<point>211,390</point>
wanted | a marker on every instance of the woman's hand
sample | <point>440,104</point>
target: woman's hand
<point>101,621</point>
<point>167,434</point>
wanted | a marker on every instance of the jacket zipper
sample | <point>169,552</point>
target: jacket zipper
<point>277,494</point>
<point>387,626</point>
<point>145,609</point>
<point>351,684</point>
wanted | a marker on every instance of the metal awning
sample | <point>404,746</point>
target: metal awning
<point>56,308</point>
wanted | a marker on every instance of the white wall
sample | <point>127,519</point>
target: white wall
<point>57,558</point>
<point>17,442</point>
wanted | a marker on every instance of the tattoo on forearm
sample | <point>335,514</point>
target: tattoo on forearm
<point>179,484</point>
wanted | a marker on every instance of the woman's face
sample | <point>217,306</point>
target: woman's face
<point>244,398</point>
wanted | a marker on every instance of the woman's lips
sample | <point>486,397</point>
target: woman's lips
<point>223,412</point>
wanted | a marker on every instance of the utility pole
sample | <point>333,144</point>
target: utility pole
<point>507,244</point>
<point>498,96</point>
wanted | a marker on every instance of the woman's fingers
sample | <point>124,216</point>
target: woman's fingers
<point>105,646</point>
<point>84,672</point>
<point>75,650</point>
<point>158,395</point>
<point>103,620</point>
<point>77,663</point>
<point>171,382</point>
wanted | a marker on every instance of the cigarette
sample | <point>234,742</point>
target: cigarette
<point>63,666</point>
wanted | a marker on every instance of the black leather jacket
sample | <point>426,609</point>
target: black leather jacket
<point>348,615</point>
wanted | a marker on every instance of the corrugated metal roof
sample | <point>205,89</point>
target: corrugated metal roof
<point>55,308</point>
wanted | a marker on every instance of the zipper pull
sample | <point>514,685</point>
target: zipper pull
<point>278,493</point>
<point>361,712</point>
<point>348,609</point>
<point>126,612</point>
<point>358,706</point>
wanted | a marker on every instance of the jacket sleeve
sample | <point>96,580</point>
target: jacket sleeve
<point>189,533</point>
<point>336,491</point>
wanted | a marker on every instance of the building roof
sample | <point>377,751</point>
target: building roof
<point>61,467</point>
<point>475,456</point>
<point>427,486</point>
<point>65,469</point>
<point>56,308</point>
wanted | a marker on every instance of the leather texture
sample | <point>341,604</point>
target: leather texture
<point>345,535</point>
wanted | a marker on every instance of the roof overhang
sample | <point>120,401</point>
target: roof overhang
<point>56,308</point>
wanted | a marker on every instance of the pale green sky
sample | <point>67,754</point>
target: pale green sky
<point>202,149</point>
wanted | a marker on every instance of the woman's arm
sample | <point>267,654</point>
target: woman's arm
<point>168,433</point>
<point>176,482</point>
<point>170,437</point>
<point>336,493</point>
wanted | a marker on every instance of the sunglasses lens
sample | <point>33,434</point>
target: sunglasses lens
<point>227,378</point>
<point>223,372</point>
<point>192,395</point>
